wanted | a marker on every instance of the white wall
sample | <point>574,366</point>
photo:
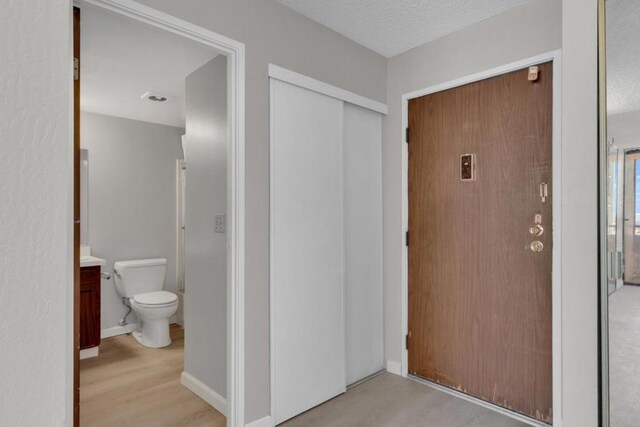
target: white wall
<point>273,33</point>
<point>132,198</point>
<point>35,39</point>
<point>519,33</point>
<point>579,213</point>
<point>34,120</point>
<point>625,129</point>
<point>205,297</point>
<point>35,213</point>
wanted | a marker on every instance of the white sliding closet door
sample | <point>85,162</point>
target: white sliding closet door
<point>363,241</point>
<point>307,250</point>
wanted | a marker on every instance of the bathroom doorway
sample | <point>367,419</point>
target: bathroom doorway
<point>148,98</point>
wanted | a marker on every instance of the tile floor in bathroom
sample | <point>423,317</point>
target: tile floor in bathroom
<point>130,385</point>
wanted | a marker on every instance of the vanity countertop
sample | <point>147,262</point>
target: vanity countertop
<point>91,261</point>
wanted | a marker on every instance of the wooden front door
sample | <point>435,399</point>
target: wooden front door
<point>479,286</point>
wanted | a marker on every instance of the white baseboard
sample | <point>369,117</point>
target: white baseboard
<point>118,330</point>
<point>261,422</point>
<point>127,329</point>
<point>88,352</point>
<point>394,367</point>
<point>204,392</point>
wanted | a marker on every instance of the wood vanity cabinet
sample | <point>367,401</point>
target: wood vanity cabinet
<point>89,307</point>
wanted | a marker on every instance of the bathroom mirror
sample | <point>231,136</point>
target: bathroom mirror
<point>84,197</point>
<point>619,97</point>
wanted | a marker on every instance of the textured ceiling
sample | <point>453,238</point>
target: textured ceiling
<point>122,59</point>
<point>623,56</point>
<point>390,27</point>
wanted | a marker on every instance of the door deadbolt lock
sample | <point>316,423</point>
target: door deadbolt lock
<point>536,230</point>
<point>536,246</point>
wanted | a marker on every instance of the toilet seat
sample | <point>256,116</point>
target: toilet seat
<point>155,299</point>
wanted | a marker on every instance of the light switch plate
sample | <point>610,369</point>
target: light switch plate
<point>220,223</point>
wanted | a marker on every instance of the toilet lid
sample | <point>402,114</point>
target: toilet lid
<point>155,298</point>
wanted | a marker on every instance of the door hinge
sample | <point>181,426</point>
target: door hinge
<point>406,341</point>
<point>76,68</point>
<point>406,135</point>
<point>407,238</point>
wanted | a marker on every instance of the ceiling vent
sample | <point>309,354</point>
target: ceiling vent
<point>154,97</point>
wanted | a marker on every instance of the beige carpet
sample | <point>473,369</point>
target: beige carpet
<point>624,356</point>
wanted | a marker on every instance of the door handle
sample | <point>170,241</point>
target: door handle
<point>537,230</point>
<point>536,246</point>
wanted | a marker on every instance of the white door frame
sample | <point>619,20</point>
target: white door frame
<point>235,53</point>
<point>554,56</point>
<point>180,219</point>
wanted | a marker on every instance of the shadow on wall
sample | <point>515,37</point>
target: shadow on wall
<point>205,150</point>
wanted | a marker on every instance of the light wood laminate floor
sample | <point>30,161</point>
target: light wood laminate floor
<point>392,401</point>
<point>130,385</point>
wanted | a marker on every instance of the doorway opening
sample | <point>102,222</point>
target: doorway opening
<point>151,92</point>
<point>456,195</point>
<point>619,208</point>
<point>631,216</point>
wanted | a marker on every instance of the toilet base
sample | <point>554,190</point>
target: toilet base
<point>153,333</point>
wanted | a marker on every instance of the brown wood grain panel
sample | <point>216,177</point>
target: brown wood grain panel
<point>479,298</point>
<point>89,307</point>
<point>76,224</point>
<point>89,318</point>
<point>90,276</point>
<point>89,322</point>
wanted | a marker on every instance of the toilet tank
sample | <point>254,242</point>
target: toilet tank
<point>139,276</point>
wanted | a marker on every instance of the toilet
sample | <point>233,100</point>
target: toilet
<point>141,281</point>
